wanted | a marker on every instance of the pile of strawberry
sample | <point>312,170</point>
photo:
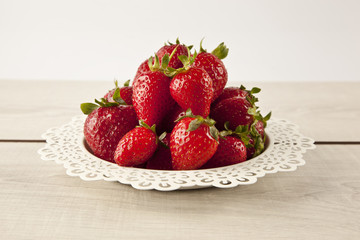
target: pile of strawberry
<point>177,115</point>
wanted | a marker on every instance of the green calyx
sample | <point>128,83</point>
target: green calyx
<point>201,47</point>
<point>221,51</point>
<point>198,121</point>
<point>154,63</point>
<point>127,83</point>
<point>161,138</point>
<point>145,125</point>
<point>241,131</point>
<point>187,61</point>
<point>88,108</point>
<point>258,116</point>
<point>152,128</point>
<point>254,110</point>
<point>251,98</point>
<point>259,141</point>
<point>177,43</point>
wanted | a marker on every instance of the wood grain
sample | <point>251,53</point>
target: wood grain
<point>320,200</point>
<point>324,111</point>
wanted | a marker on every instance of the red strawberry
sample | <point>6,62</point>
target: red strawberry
<point>151,97</point>
<point>193,142</point>
<point>125,93</point>
<point>106,125</point>
<point>137,146</point>
<point>143,68</point>
<point>168,49</point>
<point>260,128</point>
<point>250,150</point>
<point>212,64</point>
<point>174,61</point>
<point>241,92</point>
<point>161,160</point>
<point>257,136</point>
<point>231,150</point>
<point>233,110</point>
<point>193,89</point>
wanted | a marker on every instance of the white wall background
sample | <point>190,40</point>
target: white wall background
<point>280,40</point>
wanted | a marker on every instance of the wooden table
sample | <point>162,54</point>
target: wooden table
<point>320,200</point>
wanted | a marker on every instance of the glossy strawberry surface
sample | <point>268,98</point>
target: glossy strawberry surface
<point>191,149</point>
<point>230,92</point>
<point>216,70</point>
<point>259,126</point>
<point>135,147</point>
<point>231,150</point>
<point>168,49</point>
<point>151,97</point>
<point>233,110</point>
<point>142,69</point>
<point>193,89</point>
<point>125,94</point>
<point>105,126</point>
<point>161,160</point>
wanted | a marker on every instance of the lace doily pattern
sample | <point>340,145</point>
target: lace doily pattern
<point>284,151</point>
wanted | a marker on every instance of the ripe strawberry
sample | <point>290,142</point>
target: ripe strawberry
<point>212,64</point>
<point>125,93</point>
<point>161,160</point>
<point>241,92</point>
<point>233,110</point>
<point>260,127</point>
<point>143,68</point>
<point>151,97</point>
<point>193,142</point>
<point>257,136</point>
<point>168,49</point>
<point>193,89</point>
<point>106,125</point>
<point>231,150</point>
<point>136,146</point>
<point>172,50</point>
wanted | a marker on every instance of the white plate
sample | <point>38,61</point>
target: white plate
<point>284,151</point>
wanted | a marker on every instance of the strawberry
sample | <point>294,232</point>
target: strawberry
<point>241,92</point>
<point>212,64</point>
<point>136,146</point>
<point>161,160</point>
<point>105,125</point>
<point>193,89</point>
<point>173,50</point>
<point>257,136</point>
<point>231,150</point>
<point>232,147</point>
<point>125,93</point>
<point>260,128</point>
<point>193,142</point>
<point>180,49</point>
<point>151,96</point>
<point>143,68</point>
<point>233,110</point>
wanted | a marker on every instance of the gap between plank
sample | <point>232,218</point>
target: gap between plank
<point>22,140</point>
<point>337,142</point>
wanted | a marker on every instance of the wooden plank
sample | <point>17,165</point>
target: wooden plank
<point>324,111</point>
<point>320,200</point>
